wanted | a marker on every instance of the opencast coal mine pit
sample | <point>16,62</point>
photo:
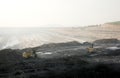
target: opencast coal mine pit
<point>99,59</point>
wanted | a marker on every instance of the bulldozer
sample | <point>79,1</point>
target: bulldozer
<point>29,54</point>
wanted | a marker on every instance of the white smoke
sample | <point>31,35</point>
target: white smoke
<point>11,42</point>
<point>25,38</point>
<point>113,48</point>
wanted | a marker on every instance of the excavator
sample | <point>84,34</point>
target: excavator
<point>29,54</point>
<point>91,49</point>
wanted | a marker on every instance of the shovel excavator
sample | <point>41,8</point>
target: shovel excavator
<point>29,54</point>
<point>91,49</point>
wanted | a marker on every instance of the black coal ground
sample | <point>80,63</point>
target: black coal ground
<point>64,62</point>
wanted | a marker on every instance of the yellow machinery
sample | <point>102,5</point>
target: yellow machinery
<point>91,49</point>
<point>27,54</point>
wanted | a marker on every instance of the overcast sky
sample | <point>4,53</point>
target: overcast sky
<point>31,13</point>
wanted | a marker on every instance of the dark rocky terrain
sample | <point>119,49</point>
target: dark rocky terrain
<point>63,60</point>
